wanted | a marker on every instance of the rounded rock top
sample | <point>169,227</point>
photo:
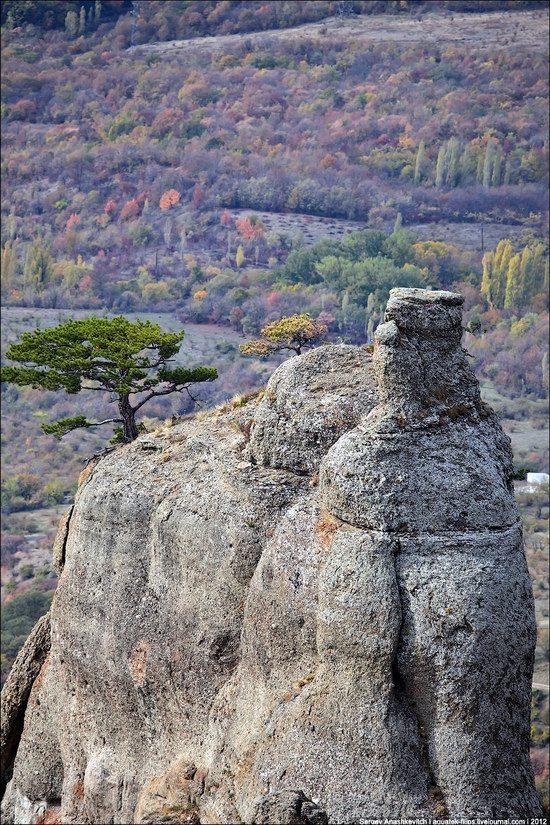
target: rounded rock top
<point>431,313</point>
<point>424,296</point>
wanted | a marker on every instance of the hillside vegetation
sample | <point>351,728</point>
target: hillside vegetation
<point>118,162</point>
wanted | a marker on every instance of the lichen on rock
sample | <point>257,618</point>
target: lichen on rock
<point>233,642</point>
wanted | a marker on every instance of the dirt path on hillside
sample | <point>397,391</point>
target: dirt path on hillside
<point>519,30</point>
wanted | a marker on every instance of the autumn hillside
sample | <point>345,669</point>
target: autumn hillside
<point>317,121</point>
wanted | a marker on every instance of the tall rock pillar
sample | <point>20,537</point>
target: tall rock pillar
<point>429,469</point>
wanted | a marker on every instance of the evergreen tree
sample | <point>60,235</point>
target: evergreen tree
<point>82,20</point>
<point>97,11</point>
<point>129,360</point>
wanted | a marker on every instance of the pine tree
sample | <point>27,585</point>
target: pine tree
<point>132,361</point>
<point>82,20</point>
<point>513,297</point>
<point>419,165</point>
<point>97,11</point>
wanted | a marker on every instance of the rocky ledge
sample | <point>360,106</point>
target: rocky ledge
<point>310,608</point>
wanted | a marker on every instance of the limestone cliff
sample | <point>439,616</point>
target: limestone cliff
<point>311,608</point>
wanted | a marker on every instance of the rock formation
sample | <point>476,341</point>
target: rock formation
<point>310,608</point>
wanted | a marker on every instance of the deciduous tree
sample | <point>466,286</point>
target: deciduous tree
<point>290,333</point>
<point>71,23</point>
<point>170,198</point>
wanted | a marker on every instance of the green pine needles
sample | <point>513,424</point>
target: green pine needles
<point>129,360</point>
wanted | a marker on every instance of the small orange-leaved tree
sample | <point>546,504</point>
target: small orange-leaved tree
<point>170,198</point>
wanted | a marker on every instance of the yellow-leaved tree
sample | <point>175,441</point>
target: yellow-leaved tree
<point>292,332</point>
<point>239,256</point>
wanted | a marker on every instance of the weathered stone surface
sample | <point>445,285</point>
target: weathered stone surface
<point>430,469</point>
<point>234,642</point>
<point>58,551</point>
<point>173,797</point>
<point>289,808</point>
<point>29,664</point>
<point>309,402</point>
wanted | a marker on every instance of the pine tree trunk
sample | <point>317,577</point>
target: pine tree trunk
<point>128,419</point>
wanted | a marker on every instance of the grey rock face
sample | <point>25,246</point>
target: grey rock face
<point>430,469</point>
<point>309,402</point>
<point>289,808</point>
<point>234,640</point>
<point>30,663</point>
